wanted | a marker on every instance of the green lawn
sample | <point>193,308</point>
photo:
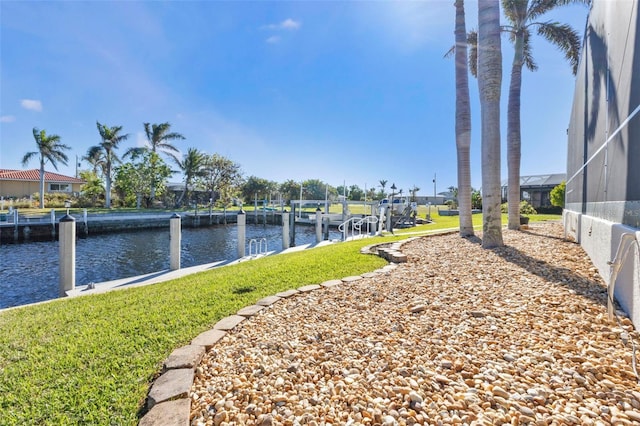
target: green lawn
<point>90,360</point>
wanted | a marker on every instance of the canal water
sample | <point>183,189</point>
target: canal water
<point>29,272</point>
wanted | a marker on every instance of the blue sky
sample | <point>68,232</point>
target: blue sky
<point>351,92</point>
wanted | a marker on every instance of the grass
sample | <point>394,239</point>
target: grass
<point>90,360</point>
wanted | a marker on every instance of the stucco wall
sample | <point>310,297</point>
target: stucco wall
<point>20,189</point>
<point>601,239</point>
<point>603,148</point>
<point>603,161</point>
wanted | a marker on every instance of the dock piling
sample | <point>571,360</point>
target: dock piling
<point>242,230</point>
<point>67,254</point>
<point>175,236</point>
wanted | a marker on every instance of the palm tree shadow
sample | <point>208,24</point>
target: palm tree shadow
<point>565,277</point>
<point>532,232</point>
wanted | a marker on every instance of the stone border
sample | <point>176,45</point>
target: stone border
<point>168,400</point>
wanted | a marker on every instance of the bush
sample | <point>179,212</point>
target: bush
<point>557,194</point>
<point>525,208</point>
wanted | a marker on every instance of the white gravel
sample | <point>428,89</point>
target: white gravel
<point>458,335</point>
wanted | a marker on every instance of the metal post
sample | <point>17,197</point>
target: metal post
<point>175,236</point>
<point>318,225</point>
<point>67,253</point>
<point>242,232</point>
<point>255,208</point>
<point>285,230</point>
<point>388,213</point>
<point>53,223</point>
<point>325,220</point>
<point>300,214</point>
<point>292,227</point>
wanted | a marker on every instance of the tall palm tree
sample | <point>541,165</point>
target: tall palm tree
<point>463,123</point>
<point>49,149</point>
<point>158,139</point>
<point>192,166</point>
<point>110,138</point>
<point>522,17</point>
<point>489,82</point>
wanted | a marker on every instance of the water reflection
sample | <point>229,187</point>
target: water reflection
<point>29,272</point>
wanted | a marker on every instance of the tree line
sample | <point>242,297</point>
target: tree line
<point>139,177</point>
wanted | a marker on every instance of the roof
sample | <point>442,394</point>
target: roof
<point>34,175</point>
<point>533,181</point>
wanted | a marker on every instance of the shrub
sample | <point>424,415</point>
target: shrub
<point>557,194</point>
<point>525,208</point>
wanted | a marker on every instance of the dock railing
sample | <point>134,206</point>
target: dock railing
<point>353,228</point>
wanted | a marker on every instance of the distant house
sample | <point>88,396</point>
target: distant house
<point>602,206</point>
<point>536,189</point>
<point>24,183</point>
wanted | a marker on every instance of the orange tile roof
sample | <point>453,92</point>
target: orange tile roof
<point>34,175</point>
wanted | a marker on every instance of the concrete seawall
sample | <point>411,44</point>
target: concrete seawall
<point>39,230</point>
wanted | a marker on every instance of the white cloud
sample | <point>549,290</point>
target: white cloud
<point>7,119</point>
<point>273,39</point>
<point>287,24</point>
<point>31,104</point>
<point>290,24</point>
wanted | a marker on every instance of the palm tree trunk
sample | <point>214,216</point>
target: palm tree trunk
<point>42,183</point>
<point>489,82</point>
<point>463,123</point>
<point>513,134</point>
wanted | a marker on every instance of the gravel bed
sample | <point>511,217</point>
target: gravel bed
<point>458,335</point>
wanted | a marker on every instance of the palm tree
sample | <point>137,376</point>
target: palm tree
<point>414,191</point>
<point>158,139</point>
<point>191,166</point>
<point>463,123</point>
<point>97,161</point>
<point>383,183</point>
<point>49,149</point>
<point>111,137</point>
<point>489,81</point>
<point>522,16</point>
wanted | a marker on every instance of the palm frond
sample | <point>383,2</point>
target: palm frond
<point>538,8</point>
<point>28,156</point>
<point>94,152</point>
<point>472,42</point>
<point>449,53</point>
<point>172,136</point>
<point>527,54</point>
<point>515,11</point>
<point>135,152</point>
<point>564,38</point>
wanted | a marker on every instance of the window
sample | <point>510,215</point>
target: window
<point>59,187</point>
